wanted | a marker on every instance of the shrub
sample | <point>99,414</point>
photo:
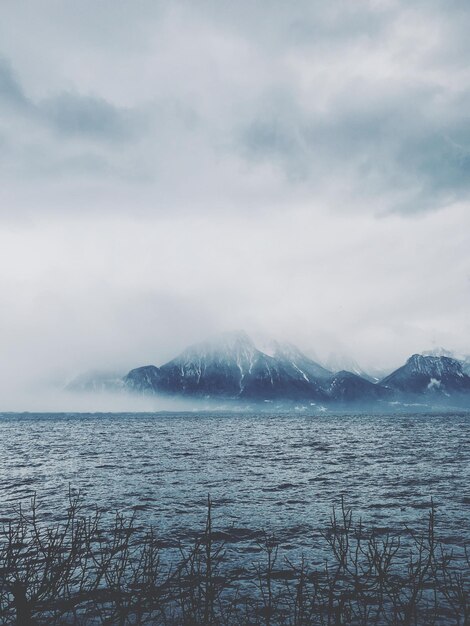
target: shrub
<point>86,571</point>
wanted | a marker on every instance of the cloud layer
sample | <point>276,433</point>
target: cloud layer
<point>172,169</point>
<point>351,104</point>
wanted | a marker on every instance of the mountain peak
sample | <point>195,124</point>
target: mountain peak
<point>462,357</point>
<point>282,349</point>
<point>230,365</point>
<point>433,365</point>
<point>338,362</point>
<point>224,346</point>
<point>423,373</point>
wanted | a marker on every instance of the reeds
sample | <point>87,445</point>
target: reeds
<point>87,571</point>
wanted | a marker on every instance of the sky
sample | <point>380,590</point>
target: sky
<point>171,170</point>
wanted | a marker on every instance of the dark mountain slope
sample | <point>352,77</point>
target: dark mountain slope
<point>429,374</point>
<point>229,366</point>
<point>349,387</point>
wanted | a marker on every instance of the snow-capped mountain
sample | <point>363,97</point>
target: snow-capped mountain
<point>288,352</point>
<point>338,362</point>
<point>348,387</point>
<point>463,358</point>
<point>231,366</point>
<point>429,374</point>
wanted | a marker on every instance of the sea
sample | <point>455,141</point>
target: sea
<point>280,474</point>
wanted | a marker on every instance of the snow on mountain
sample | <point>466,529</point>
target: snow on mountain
<point>424,374</point>
<point>338,362</point>
<point>463,358</point>
<point>348,387</point>
<point>230,365</point>
<point>289,353</point>
<point>221,365</point>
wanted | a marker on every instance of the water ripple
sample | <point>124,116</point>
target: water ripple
<point>281,473</point>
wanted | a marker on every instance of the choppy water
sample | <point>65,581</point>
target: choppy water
<point>281,473</point>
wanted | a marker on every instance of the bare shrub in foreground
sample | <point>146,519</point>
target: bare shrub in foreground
<point>85,571</point>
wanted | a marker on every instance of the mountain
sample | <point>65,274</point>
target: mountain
<point>231,366</point>
<point>145,378</point>
<point>429,374</point>
<point>466,365</point>
<point>338,362</point>
<point>463,358</point>
<point>97,381</point>
<point>348,387</point>
<point>287,352</point>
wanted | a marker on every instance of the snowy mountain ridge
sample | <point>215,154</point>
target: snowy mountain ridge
<point>231,366</point>
<point>429,374</point>
<point>463,358</point>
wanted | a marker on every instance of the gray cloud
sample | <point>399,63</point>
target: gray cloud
<point>169,170</point>
<point>63,136</point>
<point>373,93</point>
<point>85,117</point>
<point>11,93</point>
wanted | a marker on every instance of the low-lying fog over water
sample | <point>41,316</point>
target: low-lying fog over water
<point>279,473</point>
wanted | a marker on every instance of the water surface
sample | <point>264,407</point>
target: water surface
<point>283,473</point>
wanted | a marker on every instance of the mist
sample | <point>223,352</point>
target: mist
<point>169,172</point>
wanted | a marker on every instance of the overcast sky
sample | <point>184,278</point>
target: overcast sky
<point>169,170</point>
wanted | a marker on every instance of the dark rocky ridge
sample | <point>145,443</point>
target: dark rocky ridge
<point>231,367</point>
<point>429,375</point>
<point>348,387</point>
